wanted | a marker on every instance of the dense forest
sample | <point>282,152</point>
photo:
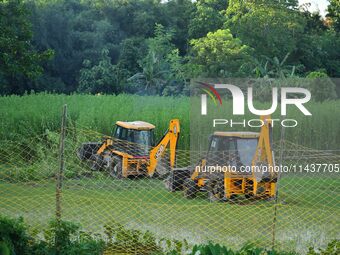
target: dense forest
<point>115,46</point>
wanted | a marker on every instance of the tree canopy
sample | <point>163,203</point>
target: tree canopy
<point>115,46</point>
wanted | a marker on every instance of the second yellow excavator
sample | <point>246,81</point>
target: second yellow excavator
<point>237,163</point>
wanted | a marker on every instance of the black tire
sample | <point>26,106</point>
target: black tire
<point>169,183</point>
<point>86,150</point>
<point>176,178</point>
<point>189,188</point>
<point>249,196</point>
<point>116,167</point>
<point>215,191</point>
<point>96,162</point>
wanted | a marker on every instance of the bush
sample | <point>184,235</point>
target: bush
<point>333,248</point>
<point>130,241</point>
<point>248,249</point>
<point>65,238</point>
<point>60,238</point>
<point>13,237</point>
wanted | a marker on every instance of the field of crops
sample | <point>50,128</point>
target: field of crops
<point>30,115</point>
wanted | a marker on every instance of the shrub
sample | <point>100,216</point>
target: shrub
<point>60,238</point>
<point>13,237</point>
<point>333,248</point>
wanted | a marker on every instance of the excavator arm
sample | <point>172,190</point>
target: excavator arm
<point>170,138</point>
<point>264,156</point>
<point>264,152</point>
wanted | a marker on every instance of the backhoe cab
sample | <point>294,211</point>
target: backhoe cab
<point>135,132</point>
<point>131,151</point>
<point>237,163</point>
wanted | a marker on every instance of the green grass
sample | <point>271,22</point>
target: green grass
<point>22,117</point>
<point>304,211</point>
<point>30,115</point>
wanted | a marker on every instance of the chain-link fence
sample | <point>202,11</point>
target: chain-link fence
<point>40,178</point>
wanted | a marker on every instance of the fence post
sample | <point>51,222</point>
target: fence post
<point>277,188</point>
<point>60,173</point>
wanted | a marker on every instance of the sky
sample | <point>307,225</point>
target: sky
<point>317,5</point>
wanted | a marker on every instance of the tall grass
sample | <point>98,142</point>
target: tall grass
<point>25,116</point>
<point>321,130</point>
<point>29,115</point>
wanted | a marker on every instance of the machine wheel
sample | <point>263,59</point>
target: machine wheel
<point>189,188</point>
<point>116,167</point>
<point>249,196</point>
<point>86,150</point>
<point>215,191</point>
<point>170,183</point>
<point>176,178</point>
<point>96,162</point>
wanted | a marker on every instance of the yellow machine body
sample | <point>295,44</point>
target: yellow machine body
<point>142,165</point>
<point>235,183</point>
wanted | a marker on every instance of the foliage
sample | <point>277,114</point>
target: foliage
<point>271,29</point>
<point>65,238</point>
<point>60,238</point>
<point>319,51</point>
<point>104,77</point>
<point>78,32</point>
<point>334,14</point>
<point>123,240</point>
<point>210,249</point>
<point>178,15</point>
<point>18,58</point>
<point>161,66</point>
<point>322,88</point>
<point>13,237</point>
<point>332,248</point>
<point>247,249</point>
<point>207,17</point>
<point>219,54</point>
<point>274,68</point>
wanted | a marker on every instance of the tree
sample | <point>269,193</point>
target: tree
<point>269,27</point>
<point>334,14</point>
<point>18,59</point>
<point>178,14</point>
<point>320,51</point>
<point>274,68</point>
<point>161,65</point>
<point>101,78</point>
<point>219,54</point>
<point>76,31</point>
<point>131,51</point>
<point>208,17</point>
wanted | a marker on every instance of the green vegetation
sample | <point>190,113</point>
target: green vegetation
<point>23,118</point>
<point>16,238</point>
<point>111,49</point>
<point>59,238</point>
<point>132,45</point>
<point>26,116</point>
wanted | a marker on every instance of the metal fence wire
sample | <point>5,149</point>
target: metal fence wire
<point>305,212</point>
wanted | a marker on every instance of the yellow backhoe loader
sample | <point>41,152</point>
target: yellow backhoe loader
<point>131,150</point>
<point>237,163</point>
